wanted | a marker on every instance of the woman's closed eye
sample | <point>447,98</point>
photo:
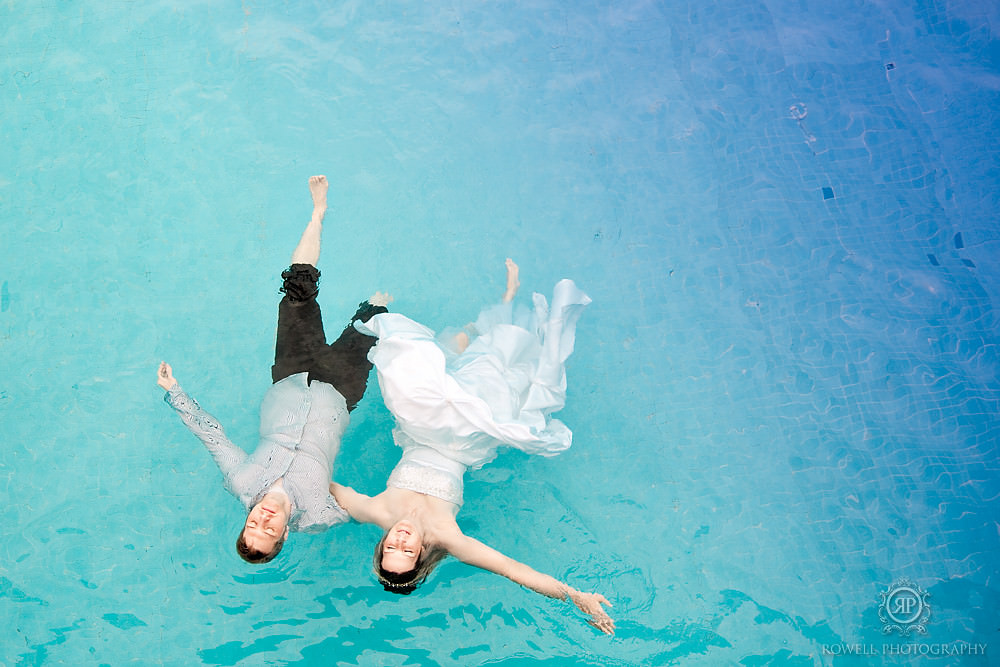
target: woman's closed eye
<point>391,549</point>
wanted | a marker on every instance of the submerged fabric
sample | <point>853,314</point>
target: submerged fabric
<point>500,391</point>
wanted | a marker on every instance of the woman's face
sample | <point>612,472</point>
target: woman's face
<point>401,548</point>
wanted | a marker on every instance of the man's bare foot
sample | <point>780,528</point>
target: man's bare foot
<point>512,282</point>
<point>317,188</point>
<point>461,341</point>
<point>380,299</point>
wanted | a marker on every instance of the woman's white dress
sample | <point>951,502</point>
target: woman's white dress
<point>501,390</point>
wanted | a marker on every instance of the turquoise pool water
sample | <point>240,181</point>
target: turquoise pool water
<point>784,395</point>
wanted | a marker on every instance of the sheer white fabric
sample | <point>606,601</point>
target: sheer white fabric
<point>500,391</point>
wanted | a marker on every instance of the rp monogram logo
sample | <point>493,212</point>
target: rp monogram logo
<point>904,608</point>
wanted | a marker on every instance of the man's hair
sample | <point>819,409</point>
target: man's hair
<point>404,583</point>
<point>254,556</point>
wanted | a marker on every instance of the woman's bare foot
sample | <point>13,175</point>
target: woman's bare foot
<point>461,341</point>
<point>512,282</point>
<point>317,188</point>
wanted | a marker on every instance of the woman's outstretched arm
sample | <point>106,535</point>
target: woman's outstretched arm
<point>473,552</point>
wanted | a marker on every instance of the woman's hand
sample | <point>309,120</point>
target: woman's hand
<point>473,552</point>
<point>165,376</point>
<point>590,604</point>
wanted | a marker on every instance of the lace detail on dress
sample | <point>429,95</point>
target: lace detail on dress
<point>430,481</point>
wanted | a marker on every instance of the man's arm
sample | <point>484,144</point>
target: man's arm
<point>227,456</point>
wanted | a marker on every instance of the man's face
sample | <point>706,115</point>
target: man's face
<point>266,524</point>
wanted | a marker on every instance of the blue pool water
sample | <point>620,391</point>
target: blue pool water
<point>784,396</point>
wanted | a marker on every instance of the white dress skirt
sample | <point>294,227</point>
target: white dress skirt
<point>500,391</point>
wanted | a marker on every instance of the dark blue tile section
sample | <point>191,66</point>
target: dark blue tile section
<point>827,193</point>
<point>933,260</point>
<point>959,243</point>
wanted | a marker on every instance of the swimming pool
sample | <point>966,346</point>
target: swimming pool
<point>784,396</point>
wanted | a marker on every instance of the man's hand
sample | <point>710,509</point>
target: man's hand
<point>165,376</point>
<point>380,299</point>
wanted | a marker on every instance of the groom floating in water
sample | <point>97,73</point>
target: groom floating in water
<point>285,483</point>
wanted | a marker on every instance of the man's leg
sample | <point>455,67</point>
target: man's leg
<point>344,363</point>
<point>300,336</point>
<point>307,251</point>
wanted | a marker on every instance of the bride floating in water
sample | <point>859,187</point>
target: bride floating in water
<point>457,399</point>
